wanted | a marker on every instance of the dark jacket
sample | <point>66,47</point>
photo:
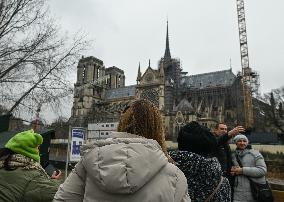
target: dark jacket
<point>203,176</point>
<point>223,154</point>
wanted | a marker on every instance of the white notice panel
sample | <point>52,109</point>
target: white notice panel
<point>77,139</point>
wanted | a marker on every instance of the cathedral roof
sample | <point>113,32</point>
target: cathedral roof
<point>122,92</point>
<point>210,79</point>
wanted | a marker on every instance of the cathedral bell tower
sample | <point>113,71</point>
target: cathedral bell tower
<point>88,89</point>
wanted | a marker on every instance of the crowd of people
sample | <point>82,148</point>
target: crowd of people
<point>134,165</point>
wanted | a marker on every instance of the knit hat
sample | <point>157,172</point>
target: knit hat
<point>26,143</point>
<point>196,138</point>
<point>240,136</point>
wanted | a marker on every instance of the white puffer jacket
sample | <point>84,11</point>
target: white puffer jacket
<point>125,169</point>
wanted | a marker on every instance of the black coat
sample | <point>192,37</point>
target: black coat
<point>223,154</point>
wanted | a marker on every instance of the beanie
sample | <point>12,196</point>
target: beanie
<point>196,138</point>
<point>240,136</point>
<point>26,143</point>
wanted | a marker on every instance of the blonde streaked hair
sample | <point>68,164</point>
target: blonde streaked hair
<point>143,118</point>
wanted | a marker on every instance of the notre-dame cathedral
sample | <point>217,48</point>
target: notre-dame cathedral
<point>100,94</point>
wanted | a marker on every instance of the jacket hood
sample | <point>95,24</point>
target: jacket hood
<point>123,164</point>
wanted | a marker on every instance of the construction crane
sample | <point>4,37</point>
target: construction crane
<point>249,78</point>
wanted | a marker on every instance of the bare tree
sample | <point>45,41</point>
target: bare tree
<point>35,58</point>
<point>274,110</point>
<point>3,110</point>
<point>61,127</point>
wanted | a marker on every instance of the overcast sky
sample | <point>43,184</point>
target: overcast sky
<point>203,34</point>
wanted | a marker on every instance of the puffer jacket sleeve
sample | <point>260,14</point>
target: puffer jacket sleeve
<point>73,188</point>
<point>181,188</point>
<point>40,188</point>
<point>259,170</point>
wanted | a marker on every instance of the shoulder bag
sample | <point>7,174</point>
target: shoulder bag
<point>215,190</point>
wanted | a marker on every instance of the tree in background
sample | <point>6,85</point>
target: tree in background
<point>35,59</point>
<point>3,110</point>
<point>274,111</point>
<point>61,127</point>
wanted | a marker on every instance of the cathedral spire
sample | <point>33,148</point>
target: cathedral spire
<point>139,74</point>
<point>167,51</point>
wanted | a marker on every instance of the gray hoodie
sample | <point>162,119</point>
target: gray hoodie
<point>131,168</point>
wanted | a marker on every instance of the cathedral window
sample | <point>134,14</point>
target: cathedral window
<point>84,74</point>
<point>228,115</point>
<point>94,74</point>
<point>98,72</point>
<point>109,81</point>
<point>118,81</point>
<point>152,95</point>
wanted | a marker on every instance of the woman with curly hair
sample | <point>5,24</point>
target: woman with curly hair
<point>143,118</point>
<point>131,166</point>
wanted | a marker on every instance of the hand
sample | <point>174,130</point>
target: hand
<point>236,131</point>
<point>236,170</point>
<point>56,174</point>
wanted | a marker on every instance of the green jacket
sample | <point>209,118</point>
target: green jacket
<point>26,186</point>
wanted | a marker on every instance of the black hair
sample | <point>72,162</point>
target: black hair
<point>196,138</point>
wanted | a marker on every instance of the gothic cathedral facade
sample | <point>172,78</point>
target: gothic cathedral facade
<point>100,94</point>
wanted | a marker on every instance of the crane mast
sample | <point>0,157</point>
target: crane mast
<point>248,77</point>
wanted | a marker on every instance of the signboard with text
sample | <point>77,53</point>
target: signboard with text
<point>77,139</point>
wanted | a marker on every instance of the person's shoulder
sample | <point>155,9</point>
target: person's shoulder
<point>184,156</point>
<point>171,173</point>
<point>32,175</point>
<point>254,153</point>
<point>171,170</point>
<point>213,165</point>
<point>170,167</point>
